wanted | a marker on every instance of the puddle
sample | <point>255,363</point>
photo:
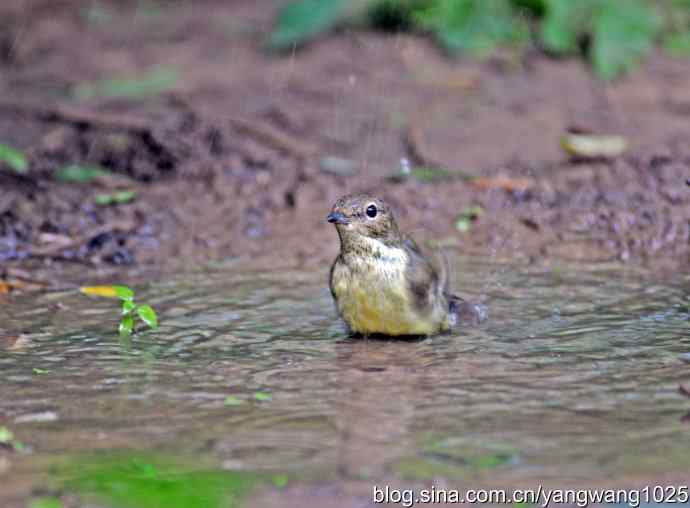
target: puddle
<point>574,378</point>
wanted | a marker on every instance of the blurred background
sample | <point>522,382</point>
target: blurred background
<point>167,132</point>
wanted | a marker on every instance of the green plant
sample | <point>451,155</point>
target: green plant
<point>115,198</point>
<point>130,309</point>
<point>614,35</point>
<point>476,27</point>
<point>7,439</point>
<point>14,159</point>
<point>618,34</point>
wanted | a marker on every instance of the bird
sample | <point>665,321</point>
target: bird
<point>381,281</point>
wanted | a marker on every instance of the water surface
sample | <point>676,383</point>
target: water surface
<point>573,379</point>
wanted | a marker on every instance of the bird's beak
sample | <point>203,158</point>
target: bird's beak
<point>337,218</point>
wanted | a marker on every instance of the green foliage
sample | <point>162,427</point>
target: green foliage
<point>146,314</point>
<point>129,308</point>
<point>124,293</point>
<point>301,21</point>
<point>15,159</point>
<point>476,27</point>
<point>263,396</point>
<point>76,173</point>
<point>7,439</point>
<point>621,36</point>
<point>464,221</point>
<point>563,25</point>
<point>46,502</point>
<point>233,400</point>
<point>115,198</point>
<point>678,44</point>
<point>614,35</point>
<point>139,481</point>
<point>159,80</point>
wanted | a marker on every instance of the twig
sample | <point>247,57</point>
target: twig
<point>275,137</point>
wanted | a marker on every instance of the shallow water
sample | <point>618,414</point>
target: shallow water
<point>574,378</point>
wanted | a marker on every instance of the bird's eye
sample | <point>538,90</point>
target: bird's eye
<point>372,210</point>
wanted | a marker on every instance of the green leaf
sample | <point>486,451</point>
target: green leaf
<point>116,198</point>
<point>128,306</point>
<point>263,396</point>
<point>156,81</point>
<point>46,502</point>
<point>232,400</point>
<point>6,435</point>
<point>13,158</point>
<point>622,34</point>
<point>123,292</point>
<point>564,23</point>
<point>464,221</point>
<point>38,371</point>
<point>148,315</point>
<point>126,326</point>
<point>78,173</point>
<point>678,44</point>
<point>476,27</point>
<point>280,480</point>
<point>303,20</point>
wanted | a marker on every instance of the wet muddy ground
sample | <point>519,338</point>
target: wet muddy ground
<point>240,153</point>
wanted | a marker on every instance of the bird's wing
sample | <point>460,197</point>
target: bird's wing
<point>330,277</point>
<point>422,277</point>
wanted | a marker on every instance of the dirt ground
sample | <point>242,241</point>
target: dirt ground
<point>236,159</point>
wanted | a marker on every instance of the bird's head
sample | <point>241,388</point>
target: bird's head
<point>362,216</point>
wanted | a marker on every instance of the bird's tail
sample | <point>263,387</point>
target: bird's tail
<point>463,312</point>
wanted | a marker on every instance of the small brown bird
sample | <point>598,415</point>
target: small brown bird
<point>381,281</point>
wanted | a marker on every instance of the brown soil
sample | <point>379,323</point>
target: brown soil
<point>230,161</point>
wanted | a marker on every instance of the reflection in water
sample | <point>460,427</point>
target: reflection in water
<point>571,379</point>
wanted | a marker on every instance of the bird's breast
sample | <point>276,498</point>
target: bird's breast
<point>372,294</point>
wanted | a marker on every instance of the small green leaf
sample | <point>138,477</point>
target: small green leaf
<point>302,20</point>
<point>148,315</point>
<point>38,371</point>
<point>124,293</point>
<point>128,306</point>
<point>6,435</point>
<point>14,158</point>
<point>464,221</point>
<point>232,400</point>
<point>126,326</point>
<point>156,81</point>
<point>263,396</point>
<point>463,224</point>
<point>46,502</point>
<point>280,480</point>
<point>79,174</point>
<point>116,198</point>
